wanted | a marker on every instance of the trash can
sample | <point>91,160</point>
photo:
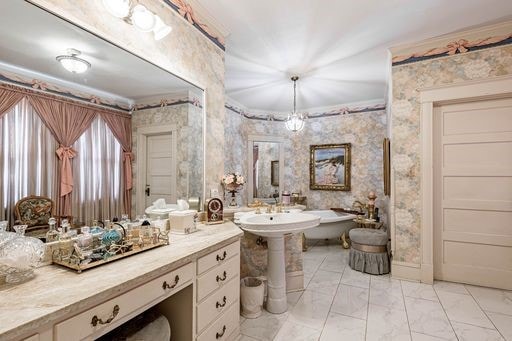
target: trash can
<point>252,291</point>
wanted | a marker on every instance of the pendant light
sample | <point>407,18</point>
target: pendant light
<point>295,122</point>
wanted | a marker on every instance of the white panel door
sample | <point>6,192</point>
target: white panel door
<point>160,169</point>
<point>473,193</point>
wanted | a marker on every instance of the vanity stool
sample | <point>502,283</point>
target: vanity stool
<point>368,251</point>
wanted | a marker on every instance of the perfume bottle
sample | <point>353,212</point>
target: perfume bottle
<point>64,233</point>
<point>52,235</point>
<point>111,235</point>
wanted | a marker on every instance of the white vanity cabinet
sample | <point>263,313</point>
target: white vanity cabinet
<point>218,294</point>
<point>194,282</point>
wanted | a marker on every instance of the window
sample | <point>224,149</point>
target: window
<point>29,166</point>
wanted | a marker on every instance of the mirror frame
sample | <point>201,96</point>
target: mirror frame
<point>250,178</point>
<point>196,83</point>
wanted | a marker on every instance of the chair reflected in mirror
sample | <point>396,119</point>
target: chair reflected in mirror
<point>34,211</point>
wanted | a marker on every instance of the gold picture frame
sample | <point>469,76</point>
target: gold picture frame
<point>274,173</point>
<point>329,167</point>
<point>386,151</point>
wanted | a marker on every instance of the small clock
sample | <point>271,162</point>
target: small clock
<point>215,211</point>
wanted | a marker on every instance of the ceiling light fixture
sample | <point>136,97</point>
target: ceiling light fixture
<point>72,63</point>
<point>143,19</point>
<point>295,122</point>
<point>118,8</point>
<point>138,16</point>
<point>161,29</point>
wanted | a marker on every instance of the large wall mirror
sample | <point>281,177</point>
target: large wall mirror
<point>265,165</point>
<point>166,114</point>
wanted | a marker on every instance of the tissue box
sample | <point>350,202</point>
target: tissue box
<point>182,221</point>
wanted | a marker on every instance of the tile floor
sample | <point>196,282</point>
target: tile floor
<point>341,304</point>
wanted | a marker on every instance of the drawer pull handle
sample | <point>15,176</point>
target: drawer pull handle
<point>221,305</point>
<point>221,334</point>
<point>167,286</point>
<point>223,278</point>
<point>219,258</point>
<point>95,320</point>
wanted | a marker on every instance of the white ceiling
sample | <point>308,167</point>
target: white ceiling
<point>31,38</point>
<point>338,47</point>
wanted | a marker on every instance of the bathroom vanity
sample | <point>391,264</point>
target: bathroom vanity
<point>194,282</point>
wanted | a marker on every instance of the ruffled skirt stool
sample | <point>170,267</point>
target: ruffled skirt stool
<point>368,251</point>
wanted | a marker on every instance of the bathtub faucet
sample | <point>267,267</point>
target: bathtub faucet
<point>359,205</point>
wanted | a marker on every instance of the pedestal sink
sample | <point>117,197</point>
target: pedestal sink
<point>274,226</point>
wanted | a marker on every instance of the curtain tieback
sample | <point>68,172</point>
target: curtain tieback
<point>128,156</point>
<point>65,152</point>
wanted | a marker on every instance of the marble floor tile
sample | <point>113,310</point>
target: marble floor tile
<point>293,297</point>
<point>309,266</point>
<point>355,278</point>
<point>463,308</point>
<point>243,337</point>
<point>242,319</point>
<point>307,279</point>
<point>387,324</point>
<point>468,332</point>
<point>297,332</point>
<point>351,301</point>
<point>340,327</point>
<point>311,310</point>
<point>457,288</point>
<point>503,323</point>
<point>386,292</point>
<point>493,300</point>
<point>423,337</point>
<point>264,327</point>
<point>335,262</point>
<point>325,282</point>
<point>419,290</point>
<point>428,317</point>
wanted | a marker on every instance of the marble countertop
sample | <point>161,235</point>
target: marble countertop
<point>228,209</point>
<point>56,292</point>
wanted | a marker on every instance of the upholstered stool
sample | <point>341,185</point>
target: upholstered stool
<point>368,252</point>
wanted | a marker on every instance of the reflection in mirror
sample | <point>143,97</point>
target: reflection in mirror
<point>128,114</point>
<point>265,158</point>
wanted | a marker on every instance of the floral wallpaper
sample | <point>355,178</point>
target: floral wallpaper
<point>405,141</point>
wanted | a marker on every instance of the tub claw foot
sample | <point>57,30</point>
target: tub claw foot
<point>344,241</point>
<point>304,244</point>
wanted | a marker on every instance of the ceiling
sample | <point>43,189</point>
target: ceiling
<point>31,38</point>
<point>338,48</point>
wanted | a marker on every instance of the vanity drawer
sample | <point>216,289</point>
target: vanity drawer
<point>217,277</point>
<point>112,313</point>
<point>217,257</point>
<point>217,303</point>
<point>221,329</point>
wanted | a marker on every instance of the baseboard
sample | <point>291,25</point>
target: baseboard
<point>294,281</point>
<point>408,271</point>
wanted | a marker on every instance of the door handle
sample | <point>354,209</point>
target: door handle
<point>148,190</point>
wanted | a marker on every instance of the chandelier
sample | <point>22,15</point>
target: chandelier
<point>295,122</point>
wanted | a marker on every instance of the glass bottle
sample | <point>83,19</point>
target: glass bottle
<point>52,235</point>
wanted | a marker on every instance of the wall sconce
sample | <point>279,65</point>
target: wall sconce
<point>138,16</point>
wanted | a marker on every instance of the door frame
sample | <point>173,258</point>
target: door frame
<point>485,89</point>
<point>142,136</point>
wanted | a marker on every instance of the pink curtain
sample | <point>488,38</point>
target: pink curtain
<point>121,127</point>
<point>9,99</point>
<point>67,122</point>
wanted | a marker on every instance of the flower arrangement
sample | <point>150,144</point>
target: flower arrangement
<point>233,180</point>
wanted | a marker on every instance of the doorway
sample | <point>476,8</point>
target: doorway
<point>156,165</point>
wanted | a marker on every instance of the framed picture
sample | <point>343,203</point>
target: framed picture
<point>386,166</point>
<point>274,173</point>
<point>329,167</point>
